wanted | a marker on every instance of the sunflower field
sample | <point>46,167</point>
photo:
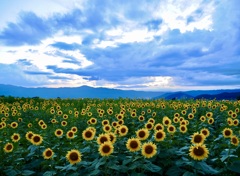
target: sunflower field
<point>119,137</point>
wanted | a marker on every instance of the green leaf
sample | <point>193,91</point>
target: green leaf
<point>189,174</point>
<point>49,173</point>
<point>27,172</point>
<point>11,172</point>
<point>95,172</point>
<point>235,166</point>
<point>152,167</point>
<point>174,170</point>
<point>206,168</point>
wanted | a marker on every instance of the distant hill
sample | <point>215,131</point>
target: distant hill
<point>75,92</point>
<point>221,96</point>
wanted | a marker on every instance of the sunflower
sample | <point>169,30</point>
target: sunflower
<point>197,138</point>
<point>159,135</point>
<point>235,122</point>
<point>74,129</point>
<point>203,118</point>
<point>47,153</point>
<point>123,130</point>
<point>234,140</point>
<point>175,119</point>
<point>230,121</point>
<point>114,124</point>
<point>149,149</point>
<point>142,134</point>
<point>58,132</point>
<point>15,137</point>
<point>107,128</point>
<point>8,147</point>
<point>183,128</point>
<point>210,120</point>
<point>133,144</point>
<point>40,122</point>
<point>141,118</point>
<point>43,126</point>
<point>151,120</point>
<point>105,122</point>
<point>29,125</point>
<point>177,115</point>
<point>171,129</point>
<point>205,132</point>
<point>64,123</point>
<point>190,116</point>
<point>113,137</point>
<point>74,156</point>
<point>70,134</point>
<point>106,148</point>
<point>36,139</point>
<point>88,134</point>
<point>29,135</point>
<point>103,138</point>
<point>234,115</point>
<point>53,121</point>
<point>93,121</point>
<point>183,112</point>
<point>166,121</point>
<point>14,124</point>
<point>158,126</point>
<point>121,122</point>
<point>198,152</point>
<point>209,114</point>
<point>149,125</point>
<point>227,132</point>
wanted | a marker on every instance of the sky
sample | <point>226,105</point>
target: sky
<point>155,45</point>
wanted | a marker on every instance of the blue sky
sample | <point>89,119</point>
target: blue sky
<point>139,44</point>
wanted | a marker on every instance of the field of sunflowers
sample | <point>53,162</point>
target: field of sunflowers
<point>119,137</point>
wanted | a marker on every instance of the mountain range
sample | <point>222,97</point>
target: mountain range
<point>90,92</point>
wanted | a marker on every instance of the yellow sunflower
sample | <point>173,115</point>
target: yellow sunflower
<point>15,137</point>
<point>171,129</point>
<point>133,144</point>
<point>93,121</point>
<point>198,138</point>
<point>107,128</point>
<point>141,118</point>
<point>47,153</point>
<point>227,132</point>
<point>234,140</point>
<point>142,134</point>
<point>88,134</point>
<point>123,130</point>
<point>70,134</point>
<point>159,135</point>
<point>158,126</point>
<point>198,152</point>
<point>205,132</point>
<point>149,125</point>
<point>74,156</point>
<point>36,139</point>
<point>64,123</point>
<point>149,149</point>
<point>8,147</point>
<point>183,128</point>
<point>210,120</point>
<point>166,121</point>
<point>203,118</point>
<point>235,122</point>
<point>29,135</point>
<point>74,129</point>
<point>105,122</point>
<point>14,125</point>
<point>103,138</point>
<point>106,148</point>
<point>58,132</point>
<point>113,137</point>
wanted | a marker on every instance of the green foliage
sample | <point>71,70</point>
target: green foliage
<point>172,156</point>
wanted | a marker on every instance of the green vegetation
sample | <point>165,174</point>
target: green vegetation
<point>118,137</point>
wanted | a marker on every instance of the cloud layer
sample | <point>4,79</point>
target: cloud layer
<point>164,45</point>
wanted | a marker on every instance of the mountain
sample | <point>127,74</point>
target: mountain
<point>221,96</point>
<point>75,92</point>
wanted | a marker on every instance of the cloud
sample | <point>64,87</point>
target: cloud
<point>177,43</point>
